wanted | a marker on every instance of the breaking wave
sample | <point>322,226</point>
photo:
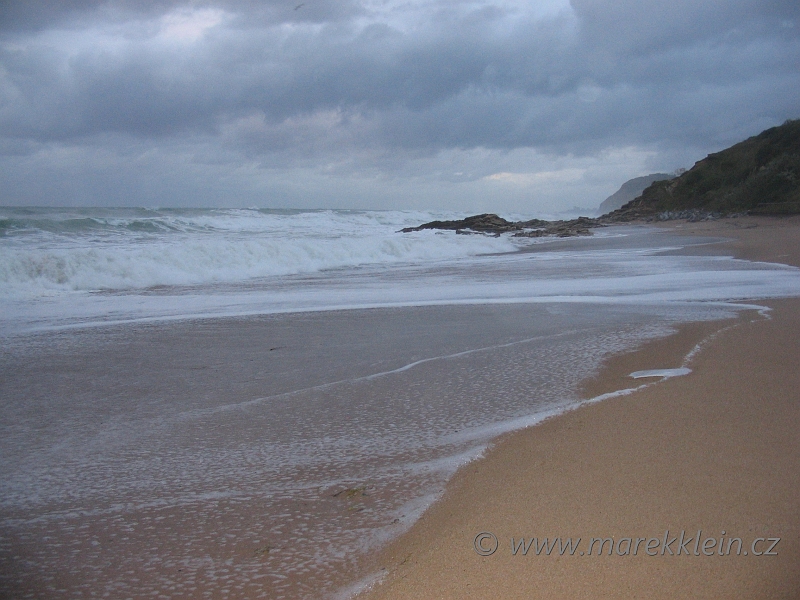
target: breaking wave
<point>47,251</point>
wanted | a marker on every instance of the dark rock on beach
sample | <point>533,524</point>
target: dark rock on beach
<point>486,223</point>
<point>491,224</point>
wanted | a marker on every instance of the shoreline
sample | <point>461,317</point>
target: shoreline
<point>195,408</point>
<point>668,457</point>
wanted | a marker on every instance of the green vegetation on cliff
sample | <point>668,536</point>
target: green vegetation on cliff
<point>760,175</point>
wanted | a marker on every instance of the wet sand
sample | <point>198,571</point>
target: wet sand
<point>717,450</point>
<point>263,456</point>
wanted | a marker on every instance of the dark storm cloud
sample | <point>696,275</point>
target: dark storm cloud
<point>457,79</point>
<point>292,82</point>
<point>149,89</point>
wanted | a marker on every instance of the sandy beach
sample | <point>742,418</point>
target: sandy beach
<point>710,459</point>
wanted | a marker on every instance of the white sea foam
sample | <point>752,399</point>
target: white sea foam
<point>663,373</point>
<point>86,252</point>
<point>102,266</point>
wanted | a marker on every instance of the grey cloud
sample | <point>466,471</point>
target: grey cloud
<point>297,88</point>
<point>633,26</point>
<point>145,92</point>
<point>27,16</point>
<point>36,15</point>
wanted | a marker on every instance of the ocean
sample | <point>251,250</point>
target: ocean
<point>248,403</point>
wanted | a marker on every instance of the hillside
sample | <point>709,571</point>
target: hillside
<point>630,190</point>
<point>760,175</point>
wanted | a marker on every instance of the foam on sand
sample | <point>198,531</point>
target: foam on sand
<point>663,373</point>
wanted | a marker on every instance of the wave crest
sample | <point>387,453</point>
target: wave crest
<point>44,255</point>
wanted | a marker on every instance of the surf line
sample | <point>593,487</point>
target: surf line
<point>664,374</point>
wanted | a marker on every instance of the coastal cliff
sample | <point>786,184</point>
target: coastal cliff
<point>759,176</point>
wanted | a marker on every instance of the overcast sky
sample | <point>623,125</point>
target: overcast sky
<point>504,106</point>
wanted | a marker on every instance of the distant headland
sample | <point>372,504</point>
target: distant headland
<point>759,176</point>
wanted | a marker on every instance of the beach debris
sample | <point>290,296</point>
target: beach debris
<point>357,492</point>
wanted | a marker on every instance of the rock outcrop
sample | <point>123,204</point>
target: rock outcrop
<point>492,224</point>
